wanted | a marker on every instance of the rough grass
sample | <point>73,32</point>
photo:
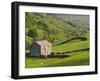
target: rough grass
<point>71,46</point>
<point>75,59</point>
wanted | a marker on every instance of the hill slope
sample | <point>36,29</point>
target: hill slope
<point>80,21</point>
<point>39,26</point>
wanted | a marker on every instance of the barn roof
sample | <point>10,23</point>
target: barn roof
<point>43,42</point>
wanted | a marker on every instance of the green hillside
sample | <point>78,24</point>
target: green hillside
<point>70,43</point>
<point>71,46</point>
<point>40,26</point>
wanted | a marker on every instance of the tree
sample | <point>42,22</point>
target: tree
<point>52,38</point>
<point>40,34</point>
<point>32,33</point>
<point>28,42</point>
<point>36,34</point>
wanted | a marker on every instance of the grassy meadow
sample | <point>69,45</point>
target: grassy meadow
<point>71,59</point>
<point>70,40</point>
<point>74,59</point>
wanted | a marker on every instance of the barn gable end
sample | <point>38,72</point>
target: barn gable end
<point>40,48</point>
<point>35,50</point>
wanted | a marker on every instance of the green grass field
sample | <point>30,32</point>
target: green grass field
<point>73,59</point>
<point>71,46</point>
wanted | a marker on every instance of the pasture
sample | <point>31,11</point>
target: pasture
<point>70,59</point>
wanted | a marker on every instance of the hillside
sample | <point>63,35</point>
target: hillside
<point>71,46</point>
<point>70,40</point>
<point>39,26</point>
<point>79,21</point>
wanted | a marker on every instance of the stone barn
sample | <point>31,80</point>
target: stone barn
<point>40,48</point>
